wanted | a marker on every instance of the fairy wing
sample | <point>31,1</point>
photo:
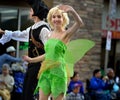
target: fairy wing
<point>76,49</point>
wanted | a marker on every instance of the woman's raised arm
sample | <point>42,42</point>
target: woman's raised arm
<point>77,19</point>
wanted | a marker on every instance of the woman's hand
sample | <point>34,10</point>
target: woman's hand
<point>33,60</point>
<point>65,8</point>
<point>26,58</point>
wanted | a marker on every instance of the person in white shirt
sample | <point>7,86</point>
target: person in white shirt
<point>9,57</point>
<point>36,35</point>
<point>6,82</point>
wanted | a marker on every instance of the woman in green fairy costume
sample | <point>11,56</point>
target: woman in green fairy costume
<point>53,74</point>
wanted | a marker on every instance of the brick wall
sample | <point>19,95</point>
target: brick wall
<point>90,11</point>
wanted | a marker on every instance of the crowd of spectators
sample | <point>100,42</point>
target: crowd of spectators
<point>103,87</point>
<point>12,74</point>
<point>98,87</point>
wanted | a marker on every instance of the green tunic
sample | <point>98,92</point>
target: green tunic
<point>53,75</point>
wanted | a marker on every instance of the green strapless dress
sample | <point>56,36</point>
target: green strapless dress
<point>53,75</point>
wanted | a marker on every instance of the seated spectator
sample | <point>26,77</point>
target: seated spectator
<point>6,82</point>
<point>98,86</point>
<point>18,74</point>
<point>75,79</point>
<point>8,57</point>
<point>113,84</point>
<point>74,94</point>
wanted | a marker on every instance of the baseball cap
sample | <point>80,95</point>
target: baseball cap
<point>75,85</point>
<point>10,49</point>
